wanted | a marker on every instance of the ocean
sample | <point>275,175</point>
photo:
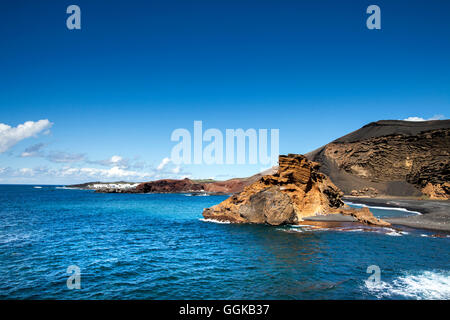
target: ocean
<point>157,246</point>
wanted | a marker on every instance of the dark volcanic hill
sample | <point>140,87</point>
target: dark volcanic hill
<point>390,158</point>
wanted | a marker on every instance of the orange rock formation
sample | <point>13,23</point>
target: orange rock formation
<point>296,191</point>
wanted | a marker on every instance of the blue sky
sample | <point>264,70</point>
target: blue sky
<point>114,91</point>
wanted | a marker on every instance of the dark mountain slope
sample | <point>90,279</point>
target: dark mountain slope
<point>390,158</point>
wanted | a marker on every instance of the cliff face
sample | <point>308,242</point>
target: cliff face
<point>296,191</point>
<point>390,158</point>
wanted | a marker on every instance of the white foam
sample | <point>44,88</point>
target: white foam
<point>291,230</point>
<point>394,234</point>
<point>304,228</point>
<point>37,187</point>
<point>4,239</point>
<point>214,221</point>
<point>353,230</point>
<point>381,208</point>
<point>427,285</point>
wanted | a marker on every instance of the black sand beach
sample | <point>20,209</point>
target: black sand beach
<point>435,214</point>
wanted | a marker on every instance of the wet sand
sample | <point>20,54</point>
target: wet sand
<point>435,214</point>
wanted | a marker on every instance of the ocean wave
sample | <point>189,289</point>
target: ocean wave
<point>353,230</point>
<point>37,187</point>
<point>386,231</point>
<point>5,239</point>
<point>298,225</point>
<point>429,285</point>
<point>393,234</point>
<point>292,230</point>
<point>381,208</point>
<point>67,188</point>
<point>303,228</point>
<point>214,221</point>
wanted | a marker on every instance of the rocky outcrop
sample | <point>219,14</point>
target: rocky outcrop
<point>169,186</point>
<point>362,215</point>
<point>390,158</point>
<point>296,191</point>
<point>437,191</point>
<point>366,192</point>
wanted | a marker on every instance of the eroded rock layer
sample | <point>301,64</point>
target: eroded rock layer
<point>390,158</point>
<point>296,191</point>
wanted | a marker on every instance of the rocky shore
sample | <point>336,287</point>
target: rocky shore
<point>296,191</point>
<point>384,163</point>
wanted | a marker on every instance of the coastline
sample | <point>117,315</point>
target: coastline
<point>435,214</point>
<point>430,214</point>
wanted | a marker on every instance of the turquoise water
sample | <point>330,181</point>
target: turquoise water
<point>155,246</point>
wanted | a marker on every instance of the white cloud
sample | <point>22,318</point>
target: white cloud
<point>38,150</point>
<point>64,157</point>
<point>114,172</point>
<point>9,136</point>
<point>414,119</point>
<point>67,173</point>
<point>52,156</point>
<point>168,170</point>
<point>176,170</point>
<point>26,154</point>
<point>115,159</point>
<point>33,151</point>
<point>435,117</point>
<point>26,171</point>
<point>163,163</point>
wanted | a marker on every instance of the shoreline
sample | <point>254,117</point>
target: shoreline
<point>430,214</point>
<point>435,214</point>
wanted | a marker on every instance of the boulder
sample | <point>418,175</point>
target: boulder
<point>269,206</point>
